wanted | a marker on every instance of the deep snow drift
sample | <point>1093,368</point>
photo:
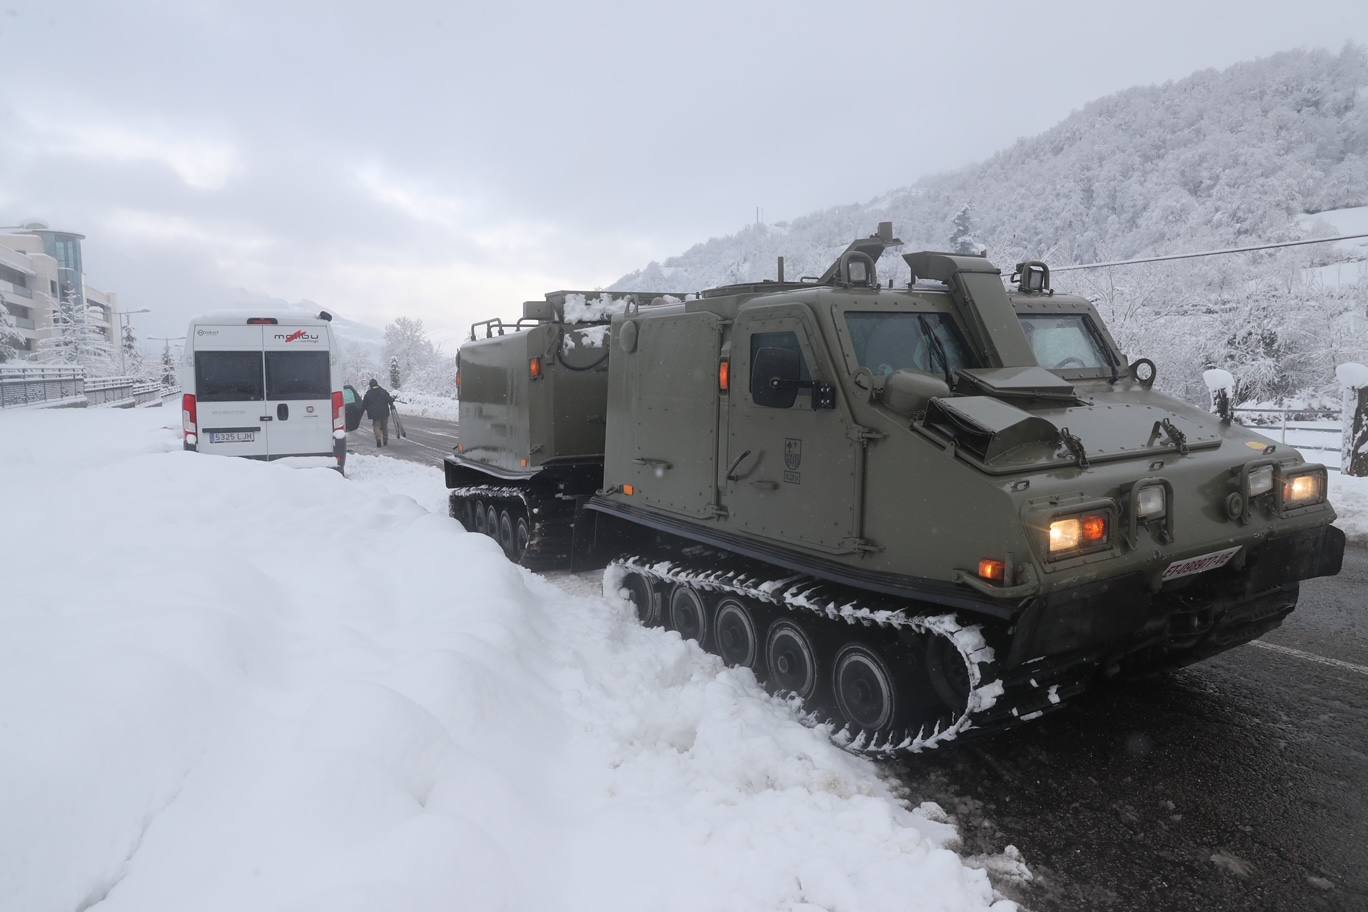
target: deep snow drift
<point>231,685</point>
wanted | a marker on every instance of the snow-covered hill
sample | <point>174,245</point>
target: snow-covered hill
<point>1217,159</point>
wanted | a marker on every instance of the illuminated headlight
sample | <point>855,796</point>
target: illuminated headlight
<point>1084,532</point>
<point>1149,502</point>
<point>1260,480</point>
<point>1303,488</point>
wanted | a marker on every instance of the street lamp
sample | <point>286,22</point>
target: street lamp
<point>123,329</point>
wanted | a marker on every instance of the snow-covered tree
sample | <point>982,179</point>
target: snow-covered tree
<point>168,366</point>
<point>10,340</point>
<point>75,339</point>
<point>407,345</point>
<point>962,239</point>
<point>131,361</point>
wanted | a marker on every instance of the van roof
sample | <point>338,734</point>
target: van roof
<point>240,318</point>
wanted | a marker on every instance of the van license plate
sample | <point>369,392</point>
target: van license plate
<point>232,436</point>
<point>1199,564</point>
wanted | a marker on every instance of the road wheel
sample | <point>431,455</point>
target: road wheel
<point>645,596</point>
<point>506,535</point>
<point>791,660</point>
<point>492,522</point>
<point>478,519</point>
<point>522,535</point>
<point>864,689</point>
<point>736,633</point>
<point>688,613</point>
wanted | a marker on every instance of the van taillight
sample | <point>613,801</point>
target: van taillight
<point>338,411</point>
<point>189,419</point>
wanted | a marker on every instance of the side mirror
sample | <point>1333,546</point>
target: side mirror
<point>774,377</point>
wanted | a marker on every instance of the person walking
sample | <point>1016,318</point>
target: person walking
<point>376,403</point>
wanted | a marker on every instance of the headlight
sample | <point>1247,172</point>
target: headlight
<point>1084,532</point>
<point>1260,480</point>
<point>1149,502</point>
<point>1302,489</point>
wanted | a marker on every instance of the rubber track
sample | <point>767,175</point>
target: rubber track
<point>799,593</point>
<point>550,519</point>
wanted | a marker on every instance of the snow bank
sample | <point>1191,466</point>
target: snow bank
<point>229,685</point>
<point>427,405</point>
<point>1349,497</point>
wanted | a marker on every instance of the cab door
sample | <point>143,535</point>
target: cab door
<point>298,400</point>
<point>230,390</point>
<point>791,471</point>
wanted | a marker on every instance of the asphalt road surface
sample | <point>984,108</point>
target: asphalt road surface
<point>1239,783</point>
<point>428,440</point>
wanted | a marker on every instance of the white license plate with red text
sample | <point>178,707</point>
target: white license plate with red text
<point>1199,564</point>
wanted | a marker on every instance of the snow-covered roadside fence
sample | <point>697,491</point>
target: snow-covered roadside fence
<point>1311,421</point>
<point>38,386</point>
<point>41,387</point>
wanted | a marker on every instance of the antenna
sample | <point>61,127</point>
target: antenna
<point>1207,253</point>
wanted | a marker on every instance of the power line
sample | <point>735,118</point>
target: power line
<point>1207,253</point>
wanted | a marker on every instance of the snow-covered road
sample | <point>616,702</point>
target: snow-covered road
<point>232,685</point>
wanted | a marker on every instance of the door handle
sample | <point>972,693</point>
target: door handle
<point>265,418</point>
<point>765,485</point>
<point>652,461</point>
<point>283,412</point>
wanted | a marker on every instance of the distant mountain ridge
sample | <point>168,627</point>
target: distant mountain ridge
<point>1218,157</point>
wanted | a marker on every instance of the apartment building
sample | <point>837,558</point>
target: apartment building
<point>37,267</point>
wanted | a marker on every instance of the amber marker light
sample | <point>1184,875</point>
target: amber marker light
<point>1094,529</point>
<point>994,571</point>
<point>534,368</point>
<point>724,376</point>
<point>629,490</point>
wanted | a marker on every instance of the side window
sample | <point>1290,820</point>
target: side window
<point>783,341</point>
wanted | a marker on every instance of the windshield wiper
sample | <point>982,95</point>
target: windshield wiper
<point>936,348</point>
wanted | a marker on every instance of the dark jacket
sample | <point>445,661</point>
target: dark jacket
<point>376,402</point>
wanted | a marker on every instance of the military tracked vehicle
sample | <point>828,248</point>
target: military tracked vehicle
<point>931,511</point>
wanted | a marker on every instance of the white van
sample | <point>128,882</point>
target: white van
<point>265,387</point>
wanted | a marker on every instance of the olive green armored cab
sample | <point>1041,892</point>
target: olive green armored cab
<point>930,511</point>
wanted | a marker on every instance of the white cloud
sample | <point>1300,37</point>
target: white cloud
<point>203,163</point>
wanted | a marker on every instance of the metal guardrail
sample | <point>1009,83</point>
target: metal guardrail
<point>1284,427</point>
<point>39,386</point>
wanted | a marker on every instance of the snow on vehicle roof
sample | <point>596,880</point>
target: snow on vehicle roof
<point>240,317</point>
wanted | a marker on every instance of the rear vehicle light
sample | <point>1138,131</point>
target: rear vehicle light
<point>1260,480</point>
<point>262,321</point>
<point>1150,502</point>
<point>629,490</point>
<point>1078,534</point>
<point>995,571</point>
<point>189,417</point>
<point>724,376</point>
<point>534,368</point>
<point>1303,488</point>
<point>339,411</point>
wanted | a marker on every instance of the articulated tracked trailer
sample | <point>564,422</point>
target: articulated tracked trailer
<point>928,511</point>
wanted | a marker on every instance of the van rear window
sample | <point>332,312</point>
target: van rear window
<point>228,376</point>
<point>298,375</point>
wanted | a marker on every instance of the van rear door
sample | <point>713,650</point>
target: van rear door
<point>230,390</point>
<point>299,390</point>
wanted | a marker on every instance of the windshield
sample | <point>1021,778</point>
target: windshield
<point>1063,342</point>
<point>887,342</point>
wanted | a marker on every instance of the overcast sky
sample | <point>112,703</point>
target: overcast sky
<point>450,159</point>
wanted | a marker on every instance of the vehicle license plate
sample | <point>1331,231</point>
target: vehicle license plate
<point>1199,564</point>
<point>232,436</point>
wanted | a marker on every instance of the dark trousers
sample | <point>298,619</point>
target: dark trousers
<point>381,427</point>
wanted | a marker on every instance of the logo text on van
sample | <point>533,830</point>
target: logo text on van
<point>296,336</point>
